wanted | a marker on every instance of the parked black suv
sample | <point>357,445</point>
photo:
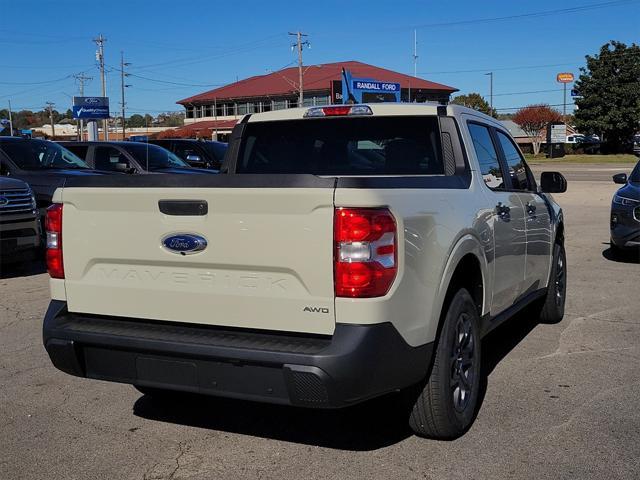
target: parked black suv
<point>42,164</point>
<point>19,226</point>
<point>197,153</point>
<point>131,157</point>
<point>625,211</point>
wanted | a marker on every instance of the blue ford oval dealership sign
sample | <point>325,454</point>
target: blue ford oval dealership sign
<point>184,243</point>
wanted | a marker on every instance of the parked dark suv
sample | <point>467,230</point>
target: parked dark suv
<point>625,211</point>
<point>44,165</point>
<point>19,226</point>
<point>131,157</point>
<point>197,153</point>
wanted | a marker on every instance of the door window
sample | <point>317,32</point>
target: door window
<point>183,151</point>
<point>487,156</point>
<point>106,158</point>
<point>518,171</point>
<point>78,150</point>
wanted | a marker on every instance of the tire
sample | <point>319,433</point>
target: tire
<point>616,251</point>
<point>552,306</point>
<point>446,406</point>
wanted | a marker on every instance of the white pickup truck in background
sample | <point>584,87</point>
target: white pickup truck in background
<point>344,252</point>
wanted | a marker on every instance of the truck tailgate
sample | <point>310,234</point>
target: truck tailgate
<point>268,263</point>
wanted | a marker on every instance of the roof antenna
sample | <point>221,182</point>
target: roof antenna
<point>351,99</point>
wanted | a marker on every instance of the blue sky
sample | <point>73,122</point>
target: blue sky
<point>199,44</point>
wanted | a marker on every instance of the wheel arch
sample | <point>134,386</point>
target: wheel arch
<point>466,267</point>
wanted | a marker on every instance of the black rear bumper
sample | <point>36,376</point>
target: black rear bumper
<point>356,363</point>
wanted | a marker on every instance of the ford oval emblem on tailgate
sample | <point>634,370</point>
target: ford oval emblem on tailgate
<point>184,243</point>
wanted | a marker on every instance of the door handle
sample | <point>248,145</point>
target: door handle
<point>531,208</point>
<point>502,210</point>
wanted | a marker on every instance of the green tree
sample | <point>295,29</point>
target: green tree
<point>609,89</point>
<point>135,121</point>
<point>475,101</point>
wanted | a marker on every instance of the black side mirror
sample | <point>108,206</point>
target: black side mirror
<point>620,178</point>
<point>553,182</point>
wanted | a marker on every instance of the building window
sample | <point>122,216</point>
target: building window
<point>220,110</point>
<point>326,100</point>
<point>244,108</point>
<point>279,104</point>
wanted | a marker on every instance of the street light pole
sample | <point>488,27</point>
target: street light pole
<point>490,89</point>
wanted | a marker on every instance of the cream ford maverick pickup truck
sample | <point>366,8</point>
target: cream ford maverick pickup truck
<point>344,252</point>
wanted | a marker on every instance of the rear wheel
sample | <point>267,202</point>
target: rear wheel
<point>446,406</point>
<point>552,306</point>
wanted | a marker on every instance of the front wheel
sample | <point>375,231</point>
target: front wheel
<point>446,406</point>
<point>552,306</point>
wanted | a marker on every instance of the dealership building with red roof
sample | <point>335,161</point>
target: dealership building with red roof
<point>214,113</point>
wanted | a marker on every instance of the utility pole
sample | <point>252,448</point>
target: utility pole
<point>81,78</point>
<point>99,41</point>
<point>53,128</point>
<point>123,86</point>
<point>415,53</point>
<point>10,119</point>
<point>299,45</point>
<point>490,89</point>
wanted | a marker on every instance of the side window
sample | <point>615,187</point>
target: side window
<point>487,156</point>
<point>78,150</point>
<point>520,178</point>
<point>183,151</point>
<point>106,158</point>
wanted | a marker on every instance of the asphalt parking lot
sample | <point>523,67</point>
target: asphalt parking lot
<point>561,401</point>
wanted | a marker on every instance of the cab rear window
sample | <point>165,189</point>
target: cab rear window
<point>343,146</point>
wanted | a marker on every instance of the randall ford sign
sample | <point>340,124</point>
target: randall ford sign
<point>90,107</point>
<point>565,77</point>
<point>372,85</point>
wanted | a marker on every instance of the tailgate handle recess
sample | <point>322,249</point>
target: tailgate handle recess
<point>183,207</point>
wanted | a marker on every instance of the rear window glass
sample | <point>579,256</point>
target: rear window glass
<point>343,146</point>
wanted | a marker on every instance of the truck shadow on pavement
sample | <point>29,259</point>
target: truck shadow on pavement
<point>22,269</point>
<point>374,424</point>
<point>630,256</point>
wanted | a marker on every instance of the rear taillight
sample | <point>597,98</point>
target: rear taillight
<point>53,226</point>
<point>365,257</point>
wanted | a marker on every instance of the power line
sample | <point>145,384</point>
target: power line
<point>229,50</point>
<point>480,70</point>
<point>525,106</point>
<point>167,82</point>
<point>543,13</point>
<point>37,83</point>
